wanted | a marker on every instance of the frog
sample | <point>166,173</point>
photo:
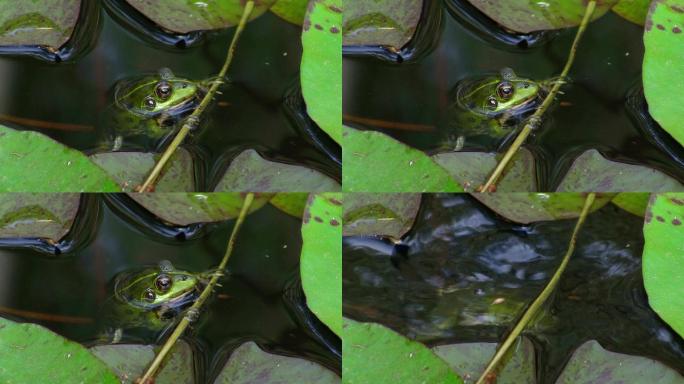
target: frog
<point>486,111</point>
<point>147,108</point>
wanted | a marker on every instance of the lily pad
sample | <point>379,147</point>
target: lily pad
<point>591,172</point>
<point>33,162</point>
<point>471,169</point>
<point>190,208</point>
<point>664,258</point>
<point>321,260</point>
<point>470,360</point>
<point>634,203</point>
<point>249,364</point>
<point>377,214</point>
<point>375,162</point>
<point>321,67</point>
<point>526,208</point>
<point>291,10</point>
<point>663,70</point>
<point>130,169</point>
<point>592,364</point>
<point>633,10</point>
<point>249,172</point>
<point>395,359</point>
<point>182,16</point>
<point>390,23</point>
<point>32,215</point>
<point>129,362</point>
<point>31,353</point>
<point>46,23</point>
<point>527,16</point>
<point>291,203</point>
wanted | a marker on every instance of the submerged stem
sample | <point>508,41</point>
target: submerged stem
<point>535,120</point>
<point>193,311</point>
<point>193,120</point>
<point>541,299</point>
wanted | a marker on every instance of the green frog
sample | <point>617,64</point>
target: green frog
<point>486,111</point>
<point>147,108</point>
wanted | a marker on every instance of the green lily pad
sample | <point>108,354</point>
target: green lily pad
<point>592,364</point>
<point>390,23</point>
<point>634,203</point>
<point>528,16</point>
<point>46,22</point>
<point>321,259</point>
<point>249,364</point>
<point>130,169</point>
<point>395,359</point>
<point>633,10</point>
<point>191,208</point>
<point>291,203</point>
<point>375,162</point>
<point>664,258</point>
<point>591,172</point>
<point>377,214</point>
<point>471,169</point>
<point>33,162</point>
<point>182,16</point>
<point>321,68</point>
<point>33,215</point>
<point>663,70</point>
<point>31,353</point>
<point>292,11</point>
<point>526,208</point>
<point>129,362</point>
<point>470,360</point>
<point>249,172</point>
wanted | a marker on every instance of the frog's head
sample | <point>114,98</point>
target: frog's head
<point>150,95</point>
<point>493,95</point>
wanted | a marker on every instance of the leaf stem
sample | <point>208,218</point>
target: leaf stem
<point>535,120</point>
<point>541,299</point>
<point>193,120</point>
<point>193,312</point>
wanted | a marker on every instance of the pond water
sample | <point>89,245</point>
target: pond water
<point>251,112</point>
<point>465,274</point>
<point>261,300</point>
<point>411,100</point>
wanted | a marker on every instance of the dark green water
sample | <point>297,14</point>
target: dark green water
<point>460,257</point>
<point>252,303</point>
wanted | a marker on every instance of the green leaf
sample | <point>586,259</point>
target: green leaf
<point>249,364</point>
<point>390,23</point>
<point>378,355</point>
<point>378,214</point>
<point>184,16</point>
<point>129,362</point>
<point>633,10</point>
<point>31,353</point>
<point>321,68</point>
<point>46,22</point>
<point>321,260</point>
<point>374,162</point>
<point>249,172</point>
<point>528,16</point>
<point>33,162</point>
<point>44,216</point>
<point>526,208</point>
<point>592,364</point>
<point>292,11</point>
<point>634,203</point>
<point>592,172</point>
<point>663,258</point>
<point>663,70</point>
<point>291,203</point>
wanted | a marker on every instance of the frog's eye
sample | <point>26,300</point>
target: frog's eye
<point>149,295</point>
<point>149,103</point>
<point>492,103</point>
<point>163,283</point>
<point>163,90</point>
<point>505,90</point>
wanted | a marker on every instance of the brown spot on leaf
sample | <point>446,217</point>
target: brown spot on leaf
<point>318,219</point>
<point>677,201</point>
<point>335,201</point>
<point>660,218</point>
<point>318,26</point>
<point>661,27</point>
<point>334,223</point>
<point>335,30</point>
<point>648,216</point>
<point>676,222</point>
<point>677,9</point>
<point>676,30</point>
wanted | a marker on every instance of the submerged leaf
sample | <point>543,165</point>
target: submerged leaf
<point>633,10</point>
<point>291,10</point>
<point>378,214</point>
<point>33,215</point>
<point>634,203</point>
<point>390,23</point>
<point>291,203</point>
<point>46,23</point>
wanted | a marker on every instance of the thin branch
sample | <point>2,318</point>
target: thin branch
<point>541,299</point>
<point>193,120</point>
<point>535,120</point>
<point>193,312</point>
